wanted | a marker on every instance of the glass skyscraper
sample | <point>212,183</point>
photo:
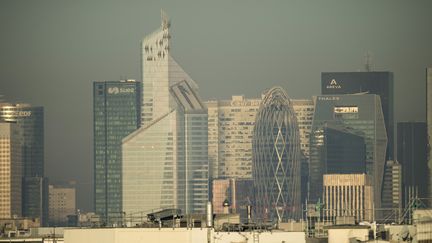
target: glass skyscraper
<point>116,107</point>
<point>412,155</point>
<point>165,162</point>
<point>276,159</point>
<point>362,115</point>
<point>379,83</point>
<point>30,120</point>
<point>429,123</point>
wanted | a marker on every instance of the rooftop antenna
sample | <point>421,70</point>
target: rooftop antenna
<point>368,61</point>
<point>165,20</point>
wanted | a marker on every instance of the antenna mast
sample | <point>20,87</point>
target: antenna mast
<point>368,61</point>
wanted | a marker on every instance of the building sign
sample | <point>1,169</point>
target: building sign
<point>346,109</point>
<point>333,85</point>
<point>117,90</point>
<point>11,114</point>
<point>328,98</point>
<point>245,103</point>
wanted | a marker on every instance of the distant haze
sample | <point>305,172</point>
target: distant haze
<point>51,51</point>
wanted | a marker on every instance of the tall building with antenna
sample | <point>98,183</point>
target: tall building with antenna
<point>165,161</point>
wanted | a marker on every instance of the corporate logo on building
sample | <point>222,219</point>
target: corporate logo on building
<point>14,114</point>
<point>328,98</point>
<point>333,85</point>
<point>117,90</point>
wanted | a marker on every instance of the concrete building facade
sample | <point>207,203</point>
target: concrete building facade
<point>62,202</point>
<point>10,171</point>
<point>230,127</point>
<point>348,195</point>
<point>391,203</point>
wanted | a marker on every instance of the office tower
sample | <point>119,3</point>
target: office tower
<point>10,171</point>
<point>379,83</point>
<point>35,198</point>
<point>412,155</point>
<point>116,114</point>
<point>230,124</point>
<point>304,110</point>
<point>165,162</point>
<point>276,159</point>
<point>429,123</point>
<point>61,204</point>
<point>159,72</point>
<point>362,115</point>
<point>335,150</point>
<point>391,193</point>
<point>30,120</point>
<point>348,195</point>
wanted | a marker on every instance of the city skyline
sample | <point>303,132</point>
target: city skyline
<point>59,77</point>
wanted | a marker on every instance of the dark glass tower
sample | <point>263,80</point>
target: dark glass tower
<point>412,155</point>
<point>335,150</point>
<point>116,107</point>
<point>30,120</point>
<point>379,83</point>
<point>361,115</point>
<point>276,159</point>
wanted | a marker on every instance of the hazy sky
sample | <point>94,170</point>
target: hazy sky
<point>51,51</point>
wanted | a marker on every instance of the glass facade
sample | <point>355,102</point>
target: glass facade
<point>116,107</point>
<point>339,151</point>
<point>276,159</point>
<point>429,123</point>
<point>165,162</point>
<point>412,155</point>
<point>361,114</point>
<point>30,121</point>
<point>379,83</point>
<point>35,198</point>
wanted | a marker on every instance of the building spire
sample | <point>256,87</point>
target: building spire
<point>165,21</point>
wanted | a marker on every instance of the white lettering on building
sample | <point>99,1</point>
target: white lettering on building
<point>333,85</point>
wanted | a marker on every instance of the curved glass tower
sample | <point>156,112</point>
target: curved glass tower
<point>276,159</point>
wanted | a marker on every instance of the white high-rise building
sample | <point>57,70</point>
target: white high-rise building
<point>11,171</point>
<point>304,110</point>
<point>165,162</point>
<point>230,126</point>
